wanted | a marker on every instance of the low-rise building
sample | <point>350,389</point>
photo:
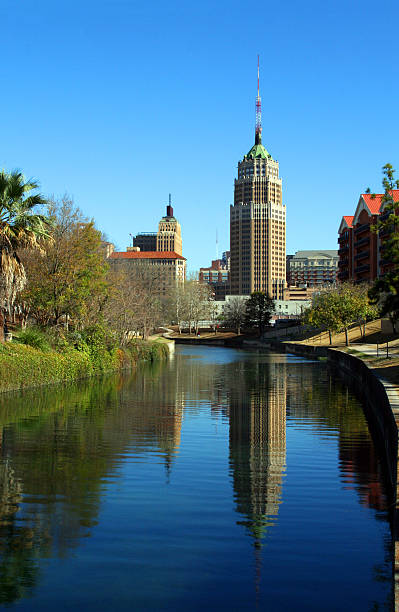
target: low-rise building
<point>171,267</point>
<point>300,293</point>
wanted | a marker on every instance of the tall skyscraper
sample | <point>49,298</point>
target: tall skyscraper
<point>257,222</point>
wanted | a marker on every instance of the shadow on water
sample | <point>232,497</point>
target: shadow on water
<point>61,446</point>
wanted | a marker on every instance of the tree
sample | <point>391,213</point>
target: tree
<point>259,309</point>
<point>336,309</point>
<point>20,227</point>
<point>136,303</point>
<point>69,278</point>
<point>385,291</point>
<point>235,312</point>
<point>324,312</point>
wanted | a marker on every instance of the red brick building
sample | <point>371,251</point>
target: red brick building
<point>218,276</point>
<point>360,247</point>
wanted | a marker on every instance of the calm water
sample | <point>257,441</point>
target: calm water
<point>223,480</point>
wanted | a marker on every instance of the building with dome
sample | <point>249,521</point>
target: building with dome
<point>257,223</point>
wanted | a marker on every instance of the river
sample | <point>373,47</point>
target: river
<point>222,480</point>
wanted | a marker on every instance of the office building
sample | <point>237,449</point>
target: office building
<point>257,222</point>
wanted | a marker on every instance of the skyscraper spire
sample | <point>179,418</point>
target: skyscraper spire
<point>258,113</point>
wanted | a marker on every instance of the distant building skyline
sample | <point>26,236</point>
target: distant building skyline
<point>166,256</point>
<point>217,275</point>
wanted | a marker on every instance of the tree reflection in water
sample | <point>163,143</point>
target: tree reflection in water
<point>59,446</point>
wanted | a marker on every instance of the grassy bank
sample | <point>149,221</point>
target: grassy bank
<point>23,365</point>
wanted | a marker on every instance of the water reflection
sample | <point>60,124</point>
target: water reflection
<point>257,411</point>
<point>61,449</point>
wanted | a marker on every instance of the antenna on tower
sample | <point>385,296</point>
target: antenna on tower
<point>169,209</point>
<point>258,115</point>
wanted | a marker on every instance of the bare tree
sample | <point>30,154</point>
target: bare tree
<point>235,312</point>
<point>137,302</point>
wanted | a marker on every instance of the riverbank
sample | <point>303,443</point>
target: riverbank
<point>376,380</point>
<point>23,366</point>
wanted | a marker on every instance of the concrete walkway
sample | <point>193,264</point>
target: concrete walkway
<point>376,350</point>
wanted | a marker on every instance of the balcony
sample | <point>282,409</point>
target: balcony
<point>362,255</point>
<point>343,263</point>
<point>343,275</point>
<point>363,268</point>
<point>362,228</point>
<point>362,241</point>
<point>343,250</point>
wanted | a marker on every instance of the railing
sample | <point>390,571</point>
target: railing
<point>362,228</point>
<point>343,250</point>
<point>386,350</point>
<point>342,263</point>
<point>362,241</point>
<point>362,255</point>
<point>363,268</point>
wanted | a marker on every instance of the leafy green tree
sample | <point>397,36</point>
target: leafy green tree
<point>259,309</point>
<point>385,291</point>
<point>324,312</point>
<point>336,309</point>
<point>69,279</point>
<point>20,227</point>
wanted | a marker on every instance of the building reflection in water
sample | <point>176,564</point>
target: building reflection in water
<point>258,444</point>
<point>59,449</point>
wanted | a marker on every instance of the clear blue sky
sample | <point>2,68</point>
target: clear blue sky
<point>119,103</point>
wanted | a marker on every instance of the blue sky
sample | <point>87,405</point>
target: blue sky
<point>119,103</point>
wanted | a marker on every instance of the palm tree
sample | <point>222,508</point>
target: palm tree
<point>20,227</point>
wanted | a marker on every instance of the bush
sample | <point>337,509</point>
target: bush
<point>23,365</point>
<point>34,337</point>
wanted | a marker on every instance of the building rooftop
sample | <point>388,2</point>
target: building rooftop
<point>258,151</point>
<point>146,255</point>
<point>349,219</point>
<point>374,200</point>
<point>327,254</point>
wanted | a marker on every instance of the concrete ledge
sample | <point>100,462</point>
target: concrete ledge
<point>381,400</point>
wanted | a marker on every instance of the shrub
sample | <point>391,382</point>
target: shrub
<point>34,337</point>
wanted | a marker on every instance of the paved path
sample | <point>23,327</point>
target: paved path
<point>371,349</point>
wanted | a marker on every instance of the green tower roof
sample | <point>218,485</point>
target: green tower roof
<point>258,151</point>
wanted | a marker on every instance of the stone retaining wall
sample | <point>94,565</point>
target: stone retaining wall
<point>381,400</point>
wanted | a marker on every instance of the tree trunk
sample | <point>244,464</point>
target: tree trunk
<point>330,336</point>
<point>238,330</point>
<point>346,337</point>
